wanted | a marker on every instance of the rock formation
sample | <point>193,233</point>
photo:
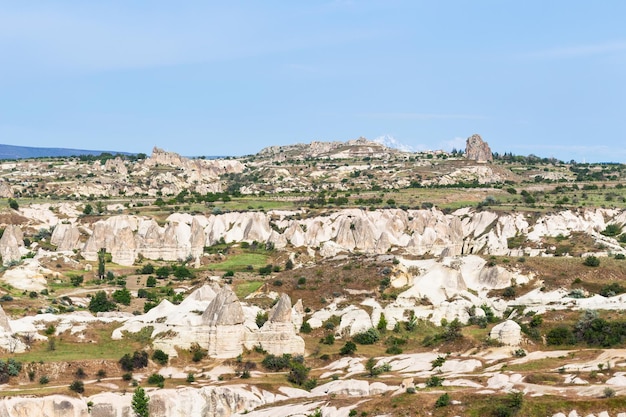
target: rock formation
<point>224,320</point>
<point>10,243</point>
<point>278,334</point>
<point>477,150</point>
<point>508,333</point>
<point>5,326</point>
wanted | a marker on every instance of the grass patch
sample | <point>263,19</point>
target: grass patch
<point>100,347</point>
<point>246,288</point>
<point>241,262</point>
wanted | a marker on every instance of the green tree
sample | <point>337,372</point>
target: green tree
<point>122,296</point>
<point>88,209</point>
<point>100,302</point>
<point>140,403</point>
<point>13,204</point>
<point>101,261</point>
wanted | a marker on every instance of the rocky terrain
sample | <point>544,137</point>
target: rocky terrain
<point>322,279</point>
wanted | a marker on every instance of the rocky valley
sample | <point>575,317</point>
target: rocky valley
<point>321,279</point>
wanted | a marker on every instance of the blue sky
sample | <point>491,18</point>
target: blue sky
<point>229,78</point>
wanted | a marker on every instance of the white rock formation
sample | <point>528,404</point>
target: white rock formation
<point>508,333</point>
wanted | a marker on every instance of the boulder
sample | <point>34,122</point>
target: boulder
<point>508,333</point>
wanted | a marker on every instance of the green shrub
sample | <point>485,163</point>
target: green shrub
<point>368,337</point>
<point>443,400</point>
<point>78,387</point>
<point>591,261</point>
<point>434,381</point>
<point>156,379</point>
<point>160,357</point>
<point>348,348</point>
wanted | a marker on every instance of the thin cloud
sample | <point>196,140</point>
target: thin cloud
<point>578,50</point>
<point>422,116</point>
<point>455,143</point>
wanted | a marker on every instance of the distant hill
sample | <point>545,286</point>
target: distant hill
<point>23,152</point>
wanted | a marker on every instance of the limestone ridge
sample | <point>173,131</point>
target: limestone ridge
<point>356,148</point>
<point>478,150</point>
<point>417,232</point>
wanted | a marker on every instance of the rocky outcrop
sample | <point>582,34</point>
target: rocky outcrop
<point>224,320</point>
<point>5,326</point>
<point>65,237</point>
<point>477,150</point>
<point>508,333</point>
<point>417,232</point>
<point>212,401</point>
<point>5,189</point>
<point>10,243</point>
<point>278,334</point>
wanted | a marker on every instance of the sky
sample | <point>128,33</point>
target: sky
<point>231,77</point>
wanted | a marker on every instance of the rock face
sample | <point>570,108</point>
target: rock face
<point>224,320</point>
<point>508,333</point>
<point>478,150</point>
<point>5,326</point>
<point>278,334</point>
<point>10,244</point>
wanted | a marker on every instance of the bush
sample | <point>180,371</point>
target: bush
<point>443,401</point>
<point>151,281</point>
<point>127,376</point>
<point>122,296</point>
<point>560,335</point>
<point>368,337</point>
<point>348,349</point>
<point>156,379</point>
<point>298,373</point>
<point>620,256</point>
<point>100,303</point>
<point>138,360</point>
<point>77,386</point>
<point>160,357</point>
<point>76,280</point>
<point>44,380</point>
<point>261,318</point>
<point>305,328</point>
<point>329,339</point>
<point>434,381</point>
<point>591,261</point>
<point>276,363</point>
<point>8,369</point>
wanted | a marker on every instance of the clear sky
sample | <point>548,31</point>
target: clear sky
<point>546,77</point>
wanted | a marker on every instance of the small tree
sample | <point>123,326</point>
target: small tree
<point>13,204</point>
<point>88,209</point>
<point>77,386</point>
<point>382,324</point>
<point>140,403</point>
<point>101,261</point>
<point>100,302</point>
<point>122,296</point>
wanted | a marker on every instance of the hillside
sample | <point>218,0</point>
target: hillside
<point>322,279</point>
<point>24,152</point>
